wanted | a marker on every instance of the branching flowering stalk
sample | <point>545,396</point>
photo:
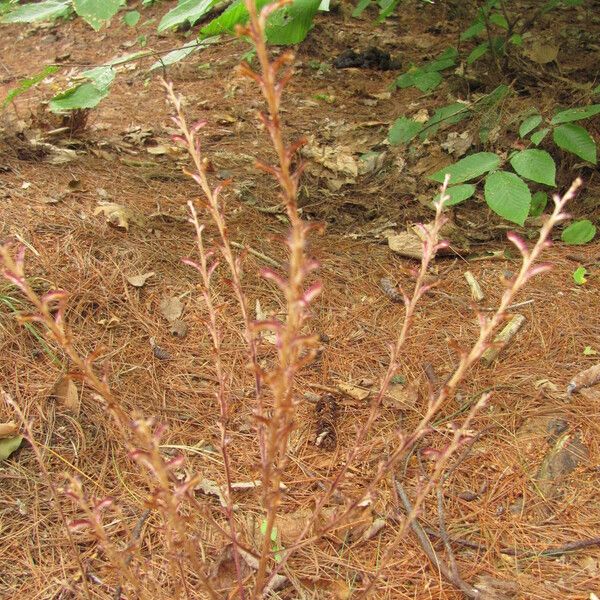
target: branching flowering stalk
<point>487,327</point>
<point>206,266</point>
<point>294,349</point>
<point>49,311</point>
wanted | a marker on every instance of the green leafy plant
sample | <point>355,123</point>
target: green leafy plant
<point>579,275</point>
<point>427,76</point>
<point>500,28</point>
<point>287,25</point>
<point>566,133</point>
<point>26,84</point>
<point>404,129</point>
<point>505,192</point>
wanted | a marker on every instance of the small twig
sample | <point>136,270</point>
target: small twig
<point>442,567</point>
<point>263,257</point>
<point>522,554</point>
<point>135,538</point>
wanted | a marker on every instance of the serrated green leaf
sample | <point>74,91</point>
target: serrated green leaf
<point>579,275</point>
<point>468,168</point>
<point>187,10</point>
<point>477,52</point>
<point>403,130</point>
<point>96,12</point>
<point>9,445</point>
<point>508,196</point>
<point>131,18</point>
<point>474,30</point>
<point>535,165</point>
<point>85,95</point>
<point>575,139</point>
<point>529,124</point>
<point>537,137</point>
<point>539,201</point>
<point>579,232</point>
<point>457,193</point>
<point>28,83</point>
<point>575,114</point>
<point>427,80</point>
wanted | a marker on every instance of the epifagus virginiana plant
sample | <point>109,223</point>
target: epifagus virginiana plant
<point>275,396</point>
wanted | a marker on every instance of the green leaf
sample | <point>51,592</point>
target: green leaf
<point>403,130</point>
<point>427,81</point>
<point>537,137</point>
<point>447,115</point>
<point>407,79</point>
<point>539,202</point>
<point>176,55</point>
<point>575,114</point>
<point>96,12</point>
<point>477,52</point>
<point>28,83</point>
<point>589,351</point>
<point>536,165</point>
<point>291,24</point>
<point>444,61</point>
<point>575,139</point>
<point>186,10</point>
<point>579,232</point>
<point>499,20</point>
<point>508,196</point>
<point>288,25</point>
<point>468,168</point>
<point>360,7</point>
<point>42,11</point>
<point>9,445</point>
<point>85,95</point>
<point>596,90</point>
<point>101,77</point>
<point>474,30</point>
<point>516,39</point>
<point>529,124</point>
<point>579,275</point>
<point>131,18</point>
<point>458,193</point>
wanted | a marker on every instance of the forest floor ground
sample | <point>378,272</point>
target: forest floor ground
<point>503,520</point>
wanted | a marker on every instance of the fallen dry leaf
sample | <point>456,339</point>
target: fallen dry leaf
<point>171,308</point>
<point>139,280</point>
<point>542,53</point>
<point>335,159</point>
<point>164,150</point>
<point>354,391</point>
<point>117,214</point>
<point>65,392</point>
<point>8,429</point>
<point>399,395</point>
